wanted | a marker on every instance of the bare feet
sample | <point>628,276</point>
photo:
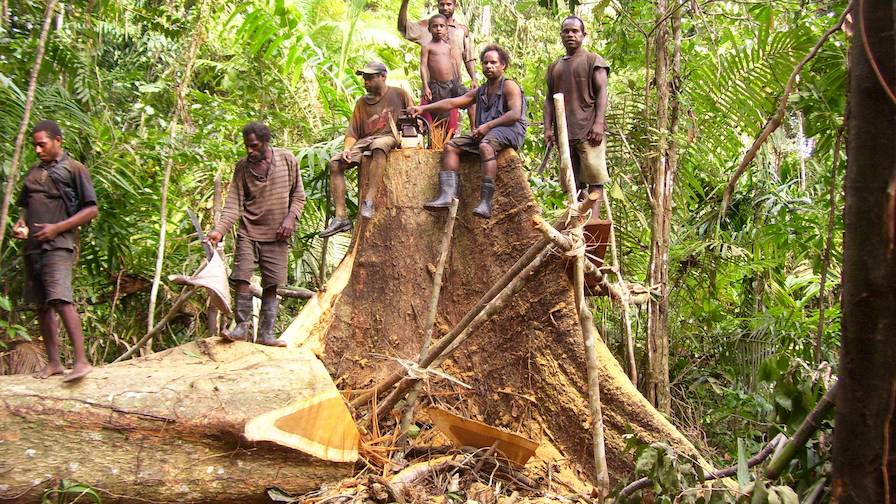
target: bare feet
<point>78,372</point>
<point>49,370</point>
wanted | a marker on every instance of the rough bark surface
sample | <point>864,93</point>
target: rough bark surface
<point>165,428</point>
<point>533,349</point>
<point>864,468</point>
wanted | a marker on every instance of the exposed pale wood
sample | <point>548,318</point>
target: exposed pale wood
<point>164,428</point>
<point>467,432</point>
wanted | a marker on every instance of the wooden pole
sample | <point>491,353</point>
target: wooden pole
<point>181,299</point>
<point>589,333</point>
<point>625,301</point>
<point>408,415</point>
<point>26,116</point>
<point>212,314</point>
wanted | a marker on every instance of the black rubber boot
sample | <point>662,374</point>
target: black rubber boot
<point>486,191</point>
<point>270,304</point>
<point>242,315</point>
<point>447,191</point>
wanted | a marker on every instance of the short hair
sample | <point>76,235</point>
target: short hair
<point>503,56</point>
<point>575,18</point>
<point>49,127</point>
<point>437,16</point>
<point>259,129</point>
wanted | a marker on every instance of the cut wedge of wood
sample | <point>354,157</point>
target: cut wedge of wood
<point>465,432</point>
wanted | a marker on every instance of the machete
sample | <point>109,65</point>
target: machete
<point>209,251</point>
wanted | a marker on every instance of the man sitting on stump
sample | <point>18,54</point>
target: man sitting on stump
<point>582,78</point>
<point>56,199</point>
<point>266,196</point>
<point>369,139</point>
<point>501,119</point>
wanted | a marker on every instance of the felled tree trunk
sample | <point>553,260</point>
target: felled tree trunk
<point>526,365</point>
<point>169,427</point>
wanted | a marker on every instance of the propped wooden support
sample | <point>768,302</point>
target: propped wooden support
<point>169,427</point>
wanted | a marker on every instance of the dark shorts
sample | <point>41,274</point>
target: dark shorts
<point>365,146</point>
<point>442,90</point>
<point>271,257</point>
<point>467,143</point>
<point>48,276</point>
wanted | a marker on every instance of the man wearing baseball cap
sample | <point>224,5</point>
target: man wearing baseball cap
<point>368,140</point>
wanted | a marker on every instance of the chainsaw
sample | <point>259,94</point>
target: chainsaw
<point>413,131</point>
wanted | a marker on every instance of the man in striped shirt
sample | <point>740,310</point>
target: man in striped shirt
<point>266,197</point>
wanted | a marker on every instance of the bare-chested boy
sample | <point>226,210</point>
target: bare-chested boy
<point>440,71</point>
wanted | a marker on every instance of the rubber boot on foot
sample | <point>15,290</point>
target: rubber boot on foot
<point>269,307</point>
<point>242,315</point>
<point>486,191</point>
<point>448,182</point>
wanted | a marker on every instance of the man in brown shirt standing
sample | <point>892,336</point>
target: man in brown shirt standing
<point>56,199</point>
<point>582,78</point>
<point>266,196</point>
<point>368,139</point>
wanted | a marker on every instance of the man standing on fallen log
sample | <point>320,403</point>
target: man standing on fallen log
<point>582,78</point>
<point>458,38</point>
<point>501,116</point>
<point>368,140</point>
<point>266,196</point>
<point>57,198</point>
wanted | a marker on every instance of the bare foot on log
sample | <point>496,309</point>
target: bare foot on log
<point>78,372</point>
<point>48,371</point>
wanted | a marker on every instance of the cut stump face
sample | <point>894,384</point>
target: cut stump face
<point>526,366</point>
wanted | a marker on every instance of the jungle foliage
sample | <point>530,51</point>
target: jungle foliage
<point>745,285</point>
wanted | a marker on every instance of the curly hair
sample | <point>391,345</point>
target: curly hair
<point>503,56</point>
<point>574,18</point>
<point>51,128</point>
<point>259,129</point>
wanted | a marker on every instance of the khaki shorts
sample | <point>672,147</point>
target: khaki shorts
<point>467,143</point>
<point>271,257</point>
<point>589,162</point>
<point>365,146</point>
<point>48,276</point>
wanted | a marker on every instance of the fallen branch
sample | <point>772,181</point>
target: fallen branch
<point>175,309</point>
<point>285,292</point>
<point>811,424</point>
<point>755,460</point>
<point>775,121</point>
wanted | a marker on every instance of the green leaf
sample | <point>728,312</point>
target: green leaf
<point>743,472</point>
<point>5,304</point>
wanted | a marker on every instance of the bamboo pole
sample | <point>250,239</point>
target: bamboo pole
<point>26,116</point>
<point>586,321</point>
<point>408,415</point>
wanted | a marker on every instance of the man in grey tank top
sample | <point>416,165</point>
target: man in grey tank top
<point>501,116</point>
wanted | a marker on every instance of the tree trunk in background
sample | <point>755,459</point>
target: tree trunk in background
<point>26,115</point>
<point>865,436</point>
<point>664,166</point>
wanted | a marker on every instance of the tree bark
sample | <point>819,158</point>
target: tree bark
<point>165,428</point>
<point>531,346</point>
<point>658,392</point>
<point>26,116</point>
<point>864,469</point>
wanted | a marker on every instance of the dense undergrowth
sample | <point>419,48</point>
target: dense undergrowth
<point>744,288</point>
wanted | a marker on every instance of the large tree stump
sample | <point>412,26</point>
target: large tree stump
<point>169,427</point>
<point>533,349</point>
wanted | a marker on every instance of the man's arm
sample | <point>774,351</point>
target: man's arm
<point>83,216</point>
<point>549,110</point>
<point>403,18</point>
<point>424,72</point>
<point>596,134</point>
<point>446,104</point>
<point>469,58</point>
<point>514,96</point>
<point>296,200</point>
